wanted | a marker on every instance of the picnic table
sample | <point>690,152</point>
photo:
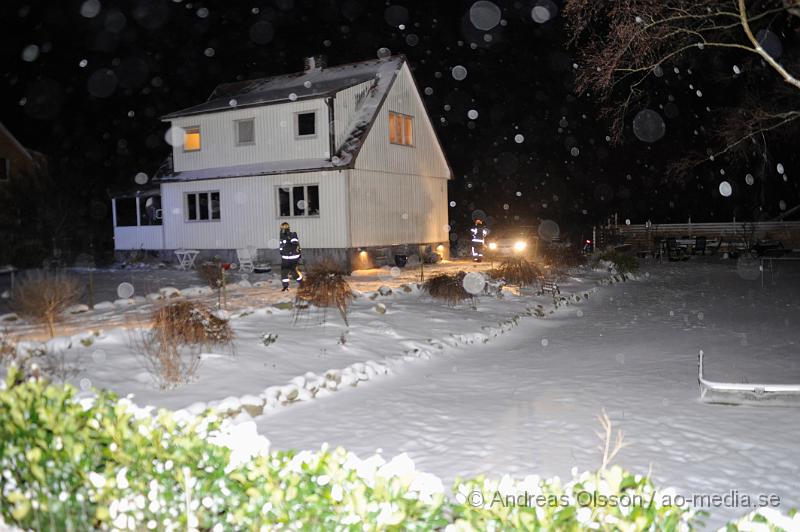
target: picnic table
<point>186,258</point>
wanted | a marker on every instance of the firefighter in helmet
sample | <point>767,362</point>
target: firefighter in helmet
<point>478,233</point>
<point>290,256</point>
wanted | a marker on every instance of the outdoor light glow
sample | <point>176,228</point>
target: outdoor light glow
<point>440,248</point>
<point>520,245</point>
<point>492,245</point>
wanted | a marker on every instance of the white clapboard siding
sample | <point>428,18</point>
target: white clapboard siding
<point>391,209</point>
<point>425,157</point>
<point>249,213</point>
<point>275,138</point>
<point>144,237</point>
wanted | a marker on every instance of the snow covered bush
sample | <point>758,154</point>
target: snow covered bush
<point>448,287</point>
<point>81,464</point>
<point>622,263</point>
<point>610,499</point>
<point>71,465</point>
<point>43,296</point>
<point>324,286</point>
<point>518,271</point>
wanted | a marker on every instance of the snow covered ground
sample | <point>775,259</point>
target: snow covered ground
<point>497,389</point>
<point>527,401</point>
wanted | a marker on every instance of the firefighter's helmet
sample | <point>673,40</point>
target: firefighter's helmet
<point>284,226</point>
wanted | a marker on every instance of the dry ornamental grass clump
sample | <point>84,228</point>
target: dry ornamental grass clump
<point>518,271</point>
<point>447,287</point>
<point>43,296</point>
<point>170,349</point>
<point>190,323</point>
<point>324,286</point>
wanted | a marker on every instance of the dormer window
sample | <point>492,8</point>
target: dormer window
<point>245,132</point>
<point>401,129</point>
<point>5,169</point>
<point>191,138</point>
<point>306,124</point>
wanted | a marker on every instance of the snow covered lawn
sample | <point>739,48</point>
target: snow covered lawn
<point>277,359</point>
<point>526,402</point>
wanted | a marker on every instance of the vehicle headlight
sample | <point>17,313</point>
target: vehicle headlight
<point>492,245</point>
<point>520,245</point>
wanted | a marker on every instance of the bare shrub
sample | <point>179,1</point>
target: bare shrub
<point>43,296</point>
<point>518,271</point>
<point>170,349</point>
<point>324,286</point>
<point>191,323</point>
<point>562,258</point>
<point>8,347</point>
<point>213,273</point>
<point>448,287</point>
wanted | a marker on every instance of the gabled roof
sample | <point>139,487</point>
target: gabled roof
<point>278,89</point>
<point>312,83</point>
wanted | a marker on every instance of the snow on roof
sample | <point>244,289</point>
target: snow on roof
<point>312,83</point>
<point>382,71</point>
<point>242,170</point>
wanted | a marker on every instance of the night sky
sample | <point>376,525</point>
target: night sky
<point>85,81</point>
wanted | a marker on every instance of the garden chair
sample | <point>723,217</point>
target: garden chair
<point>246,258</point>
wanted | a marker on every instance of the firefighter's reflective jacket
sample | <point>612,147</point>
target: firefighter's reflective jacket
<point>479,232</point>
<point>289,246</point>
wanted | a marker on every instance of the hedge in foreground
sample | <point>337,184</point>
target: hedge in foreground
<point>106,464</point>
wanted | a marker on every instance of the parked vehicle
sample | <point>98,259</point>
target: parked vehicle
<point>512,241</point>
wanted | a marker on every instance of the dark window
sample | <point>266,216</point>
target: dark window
<point>202,206</point>
<point>150,210</point>
<point>285,200</point>
<point>245,131</point>
<point>302,200</point>
<point>299,200</point>
<point>306,124</point>
<point>313,200</point>
<point>202,210</point>
<point>5,169</point>
<point>126,212</point>
<point>215,205</point>
<point>191,204</point>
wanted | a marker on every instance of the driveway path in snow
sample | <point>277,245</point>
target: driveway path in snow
<point>527,401</point>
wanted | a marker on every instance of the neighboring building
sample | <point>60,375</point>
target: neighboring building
<point>347,155</point>
<point>22,185</point>
<point>15,160</point>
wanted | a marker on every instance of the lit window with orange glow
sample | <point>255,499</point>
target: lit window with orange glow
<point>191,139</point>
<point>401,129</point>
<point>392,126</point>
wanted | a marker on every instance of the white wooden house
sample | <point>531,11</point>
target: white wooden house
<point>347,155</point>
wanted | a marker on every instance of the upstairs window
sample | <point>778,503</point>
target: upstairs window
<point>306,124</point>
<point>5,169</point>
<point>202,206</point>
<point>191,139</point>
<point>401,129</point>
<point>301,200</point>
<point>245,132</point>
